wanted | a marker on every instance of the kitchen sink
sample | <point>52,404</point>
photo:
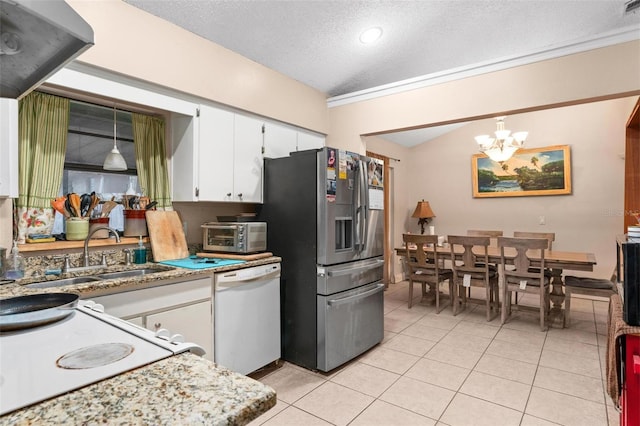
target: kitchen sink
<point>98,277</point>
<point>63,282</point>
<point>129,274</point>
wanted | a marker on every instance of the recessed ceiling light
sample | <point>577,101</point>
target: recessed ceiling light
<point>370,35</point>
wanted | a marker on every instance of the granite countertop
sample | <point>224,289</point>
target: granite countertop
<point>183,389</point>
<point>99,288</point>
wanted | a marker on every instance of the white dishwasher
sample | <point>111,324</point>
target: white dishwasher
<point>247,318</point>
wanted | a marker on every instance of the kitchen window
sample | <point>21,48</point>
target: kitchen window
<point>63,145</point>
<point>89,140</point>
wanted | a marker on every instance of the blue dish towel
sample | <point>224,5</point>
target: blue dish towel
<point>195,262</point>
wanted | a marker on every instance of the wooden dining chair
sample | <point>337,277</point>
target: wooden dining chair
<point>471,269</point>
<point>493,238</point>
<point>425,267</point>
<point>549,236</point>
<point>486,233</point>
<point>521,279</point>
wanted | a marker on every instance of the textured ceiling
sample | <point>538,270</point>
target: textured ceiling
<point>316,42</point>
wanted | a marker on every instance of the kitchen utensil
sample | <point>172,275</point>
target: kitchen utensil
<point>151,205</point>
<point>85,202</point>
<point>74,200</point>
<point>58,205</point>
<point>67,206</point>
<point>95,200</point>
<point>107,207</point>
<point>35,310</point>
<point>254,256</point>
<point>166,235</point>
<point>144,201</point>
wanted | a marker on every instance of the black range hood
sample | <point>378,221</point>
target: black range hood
<point>37,38</point>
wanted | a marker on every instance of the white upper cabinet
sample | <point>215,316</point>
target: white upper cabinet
<point>308,140</point>
<point>184,156</point>
<point>279,140</point>
<point>247,159</point>
<point>217,156</point>
<point>8,148</point>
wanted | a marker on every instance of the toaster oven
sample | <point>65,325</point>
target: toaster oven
<point>234,237</point>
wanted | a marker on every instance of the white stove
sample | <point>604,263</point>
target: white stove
<point>88,346</point>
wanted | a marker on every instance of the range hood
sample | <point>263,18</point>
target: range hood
<point>37,38</point>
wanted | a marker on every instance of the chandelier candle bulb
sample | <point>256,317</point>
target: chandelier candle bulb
<point>503,146</point>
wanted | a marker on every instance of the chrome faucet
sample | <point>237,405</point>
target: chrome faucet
<point>85,262</point>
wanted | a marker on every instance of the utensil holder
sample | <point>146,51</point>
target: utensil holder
<point>77,228</point>
<point>96,223</point>
<point>135,223</point>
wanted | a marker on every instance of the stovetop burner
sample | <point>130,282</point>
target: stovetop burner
<point>95,356</point>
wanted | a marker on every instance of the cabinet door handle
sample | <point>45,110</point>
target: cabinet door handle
<point>240,195</point>
<point>228,194</point>
<point>157,325</point>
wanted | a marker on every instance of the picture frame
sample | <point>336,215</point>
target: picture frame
<point>529,172</point>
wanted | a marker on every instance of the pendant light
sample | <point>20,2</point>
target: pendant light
<point>115,161</point>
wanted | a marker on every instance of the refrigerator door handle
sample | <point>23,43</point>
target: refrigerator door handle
<point>361,208</point>
<point>341,301</point>
<point>365,207</point>
<point>349,271</point>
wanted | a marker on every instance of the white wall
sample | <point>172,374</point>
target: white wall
<point>598,74</point>
<point>588,220</point>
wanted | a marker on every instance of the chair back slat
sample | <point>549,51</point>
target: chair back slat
<point>486,233</point>
<point>469,260</point>
<point>522,261</point>
<point>549,236</point>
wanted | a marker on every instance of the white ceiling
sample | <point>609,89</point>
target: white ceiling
<point>316,41</point>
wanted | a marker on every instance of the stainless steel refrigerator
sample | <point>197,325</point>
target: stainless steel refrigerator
<point>324,210</point>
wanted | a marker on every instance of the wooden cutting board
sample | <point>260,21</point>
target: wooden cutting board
<point>166,235</point>
<point>255,256</point>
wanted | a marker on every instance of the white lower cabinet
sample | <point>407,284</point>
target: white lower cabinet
<point>139,321</point>
<point>181,320</point>
<point>184,308</point>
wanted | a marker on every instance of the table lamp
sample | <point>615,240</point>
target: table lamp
<point>424,214</point>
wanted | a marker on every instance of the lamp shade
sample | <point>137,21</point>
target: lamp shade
<point>115,161</point>
<point>423,210</point>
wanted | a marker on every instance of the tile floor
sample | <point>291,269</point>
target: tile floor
<point>437,369</point>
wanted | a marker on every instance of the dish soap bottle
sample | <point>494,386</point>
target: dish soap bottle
<point>140,253</point>
<point>15,264</point>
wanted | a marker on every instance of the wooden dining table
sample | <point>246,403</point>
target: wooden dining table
<point>555,260</point>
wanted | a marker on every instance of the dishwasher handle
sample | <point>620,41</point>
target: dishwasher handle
<point>243,277</point>
<point>341,301</point>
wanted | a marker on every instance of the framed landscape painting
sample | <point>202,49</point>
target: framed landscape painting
<point>537,171</point>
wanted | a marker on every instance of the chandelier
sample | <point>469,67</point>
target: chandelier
<point>504,145</point>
